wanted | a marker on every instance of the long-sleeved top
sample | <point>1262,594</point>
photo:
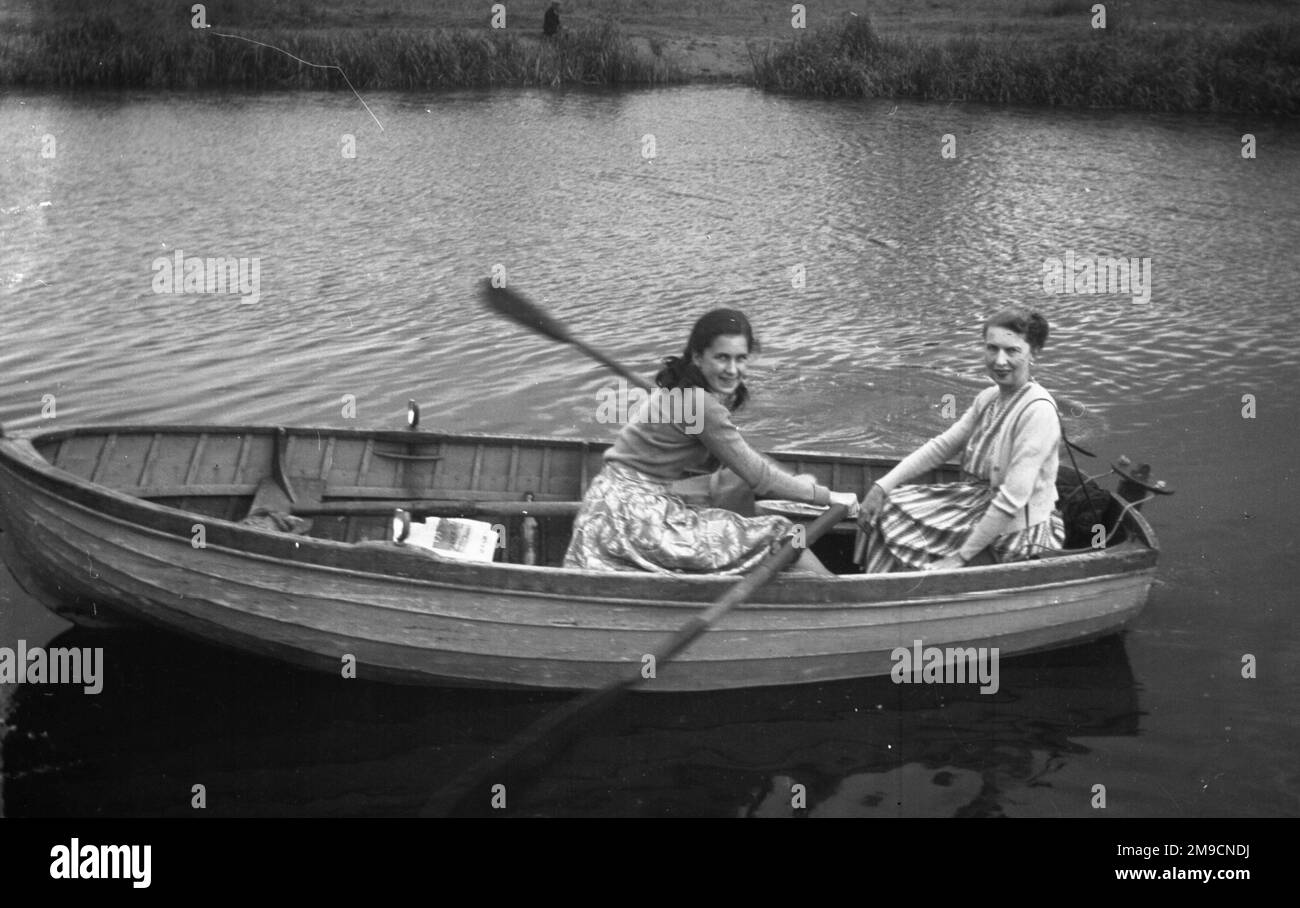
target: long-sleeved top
<point>1022,459</point>
<point>682,430</point>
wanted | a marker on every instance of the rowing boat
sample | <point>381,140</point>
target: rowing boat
<point>150,524</point>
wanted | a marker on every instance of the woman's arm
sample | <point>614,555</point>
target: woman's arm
<point>933,453</point>
<point>724,441</point>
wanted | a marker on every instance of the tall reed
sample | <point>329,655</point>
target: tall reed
<point>1251,70</point>
<point>97,52</point>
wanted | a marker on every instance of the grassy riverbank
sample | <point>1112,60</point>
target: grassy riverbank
<point>129,46</point>
<point>1248,70</point>
<point>1237,55</point>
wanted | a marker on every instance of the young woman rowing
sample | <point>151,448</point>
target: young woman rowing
<point>631,521</point>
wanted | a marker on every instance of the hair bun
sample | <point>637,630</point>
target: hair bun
<point>1032,326</point>
<point>1036,330</point>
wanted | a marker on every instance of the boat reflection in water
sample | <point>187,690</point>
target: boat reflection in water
<point>265,739</point>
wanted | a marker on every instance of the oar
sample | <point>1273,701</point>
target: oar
<point>546,738</point>
<point>1080,448</point>
<point>523,312</point>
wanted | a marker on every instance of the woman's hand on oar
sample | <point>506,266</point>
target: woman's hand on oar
<point>872,504</point>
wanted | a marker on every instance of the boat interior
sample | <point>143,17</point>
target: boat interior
<point>347,485</point>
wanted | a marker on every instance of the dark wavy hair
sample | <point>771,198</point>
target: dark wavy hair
<point>1029,325</point>
<point>681,371</point>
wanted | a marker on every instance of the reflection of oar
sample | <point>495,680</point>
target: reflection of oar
<point>523,312</point>
<point>532,748</point>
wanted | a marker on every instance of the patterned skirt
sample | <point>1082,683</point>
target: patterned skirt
<point>631,522</point>
<point>920,524</point>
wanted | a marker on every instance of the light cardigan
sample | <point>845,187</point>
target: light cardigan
<point>1024,457</point>
<point>660,442</point>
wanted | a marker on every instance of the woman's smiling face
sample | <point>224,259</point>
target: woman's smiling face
<point>1006,357</point>
<point>723,362</point>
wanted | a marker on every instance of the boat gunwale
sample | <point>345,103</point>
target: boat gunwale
<point>404,436</point>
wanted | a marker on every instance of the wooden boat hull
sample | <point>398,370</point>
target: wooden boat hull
<point>89,549</point>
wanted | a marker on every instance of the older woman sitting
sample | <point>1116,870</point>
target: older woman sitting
<point>1005,504</point>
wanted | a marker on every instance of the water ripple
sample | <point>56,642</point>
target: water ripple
<point>856,248</point>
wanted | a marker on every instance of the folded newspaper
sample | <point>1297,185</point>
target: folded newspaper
<point>455,537</point>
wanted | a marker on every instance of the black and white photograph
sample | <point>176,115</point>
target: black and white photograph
<point>666,409</point>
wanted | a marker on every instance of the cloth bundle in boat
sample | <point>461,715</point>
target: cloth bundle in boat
<point>280,521</point>
<point>455,537</point>
<point>272,508</point>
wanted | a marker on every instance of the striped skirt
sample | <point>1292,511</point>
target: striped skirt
<point>920,524</point>
<point>631,522</point>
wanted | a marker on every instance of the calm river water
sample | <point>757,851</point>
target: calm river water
<point>367,268</point>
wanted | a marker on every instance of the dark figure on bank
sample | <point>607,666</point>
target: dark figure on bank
<point>551,21</point>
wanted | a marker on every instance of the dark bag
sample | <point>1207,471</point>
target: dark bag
<point>1082,504</point>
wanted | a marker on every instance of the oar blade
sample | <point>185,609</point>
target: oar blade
<point>521,311</point>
